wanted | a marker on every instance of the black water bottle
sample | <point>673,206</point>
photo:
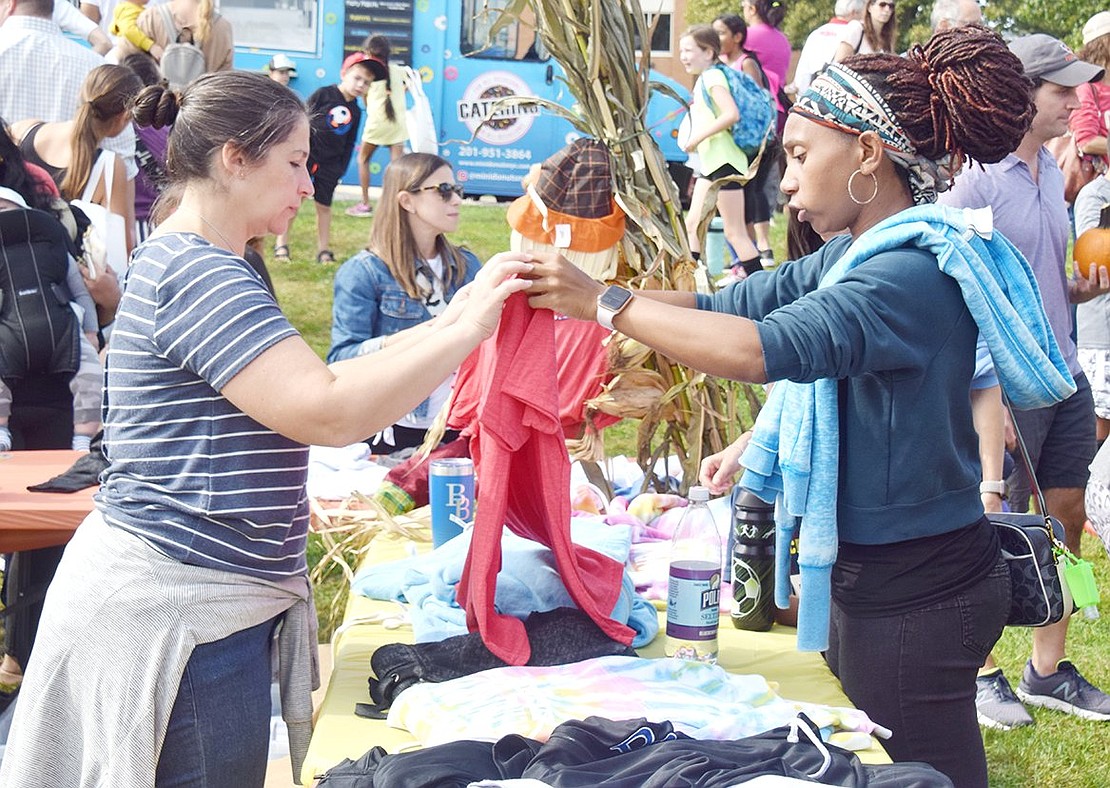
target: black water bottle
<point>753,563</point>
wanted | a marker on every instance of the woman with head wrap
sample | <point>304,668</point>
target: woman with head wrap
<point>868,438</point>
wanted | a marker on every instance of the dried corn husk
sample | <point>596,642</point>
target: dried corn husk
<point>681,412</point>
<point>346,529</point>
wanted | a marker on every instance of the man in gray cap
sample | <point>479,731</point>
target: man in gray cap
<point>1026,191</point>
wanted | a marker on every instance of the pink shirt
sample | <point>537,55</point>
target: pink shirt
<point>772,47</point>
<point>1093,116</point>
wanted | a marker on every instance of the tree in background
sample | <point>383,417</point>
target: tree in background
<point>1060,18</point>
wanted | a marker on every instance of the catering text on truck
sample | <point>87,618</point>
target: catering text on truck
<point>463,70</point>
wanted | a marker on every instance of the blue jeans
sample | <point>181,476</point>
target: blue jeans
<point>915,674</point>
<point>219,730</point>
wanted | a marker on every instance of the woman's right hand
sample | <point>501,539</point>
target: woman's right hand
<point>718,471</point>
<point>498,279</point>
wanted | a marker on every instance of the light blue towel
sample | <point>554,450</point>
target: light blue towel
<point>793,457</point>
<point>528,581</point>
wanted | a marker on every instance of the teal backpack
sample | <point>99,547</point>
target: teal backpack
<point>757,109</point>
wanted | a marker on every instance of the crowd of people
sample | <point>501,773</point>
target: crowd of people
<point>209,396</point>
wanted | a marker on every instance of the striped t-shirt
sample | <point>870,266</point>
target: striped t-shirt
<point>189,472</point>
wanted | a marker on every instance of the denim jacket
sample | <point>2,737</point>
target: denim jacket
<point>368,302</point>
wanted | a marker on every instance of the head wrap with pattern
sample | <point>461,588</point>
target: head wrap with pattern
<point>841,99</point>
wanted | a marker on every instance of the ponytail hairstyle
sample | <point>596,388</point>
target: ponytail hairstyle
<point>107,92</point>
<point>245,108</point>
<point>705,37</point>
<point>962,94</point>
<point>770,12</point>
<point>206,11</point>
<point>378,48</point>
<point>391,236</point>
<point>882,39</point>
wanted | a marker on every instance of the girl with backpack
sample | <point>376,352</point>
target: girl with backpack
<point>757,206</point>
<point>710,137</point>
<point>192,23</point>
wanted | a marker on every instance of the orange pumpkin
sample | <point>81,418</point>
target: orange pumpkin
<point>1092,247</point>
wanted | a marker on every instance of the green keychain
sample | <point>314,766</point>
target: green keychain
<point>1080,577</point>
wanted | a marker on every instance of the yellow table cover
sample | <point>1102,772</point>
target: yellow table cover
<point>340,734</point>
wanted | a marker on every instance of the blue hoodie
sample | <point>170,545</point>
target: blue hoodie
<point>890,356</point>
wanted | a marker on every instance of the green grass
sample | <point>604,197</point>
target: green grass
<point>1058,751</point>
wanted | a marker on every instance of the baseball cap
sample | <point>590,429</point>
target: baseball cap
<point>1048,58</point>
<point>372,64</point>
<point>281,62</point>
<point>1096,27</point>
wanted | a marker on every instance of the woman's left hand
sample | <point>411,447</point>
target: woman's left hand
<point>558,285</point>
<point>499,278</point>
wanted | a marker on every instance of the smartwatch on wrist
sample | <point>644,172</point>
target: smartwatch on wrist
<point>998,488</point>
<point>612,301</point>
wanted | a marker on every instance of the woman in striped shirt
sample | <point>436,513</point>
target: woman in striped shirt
<point>156,635</point>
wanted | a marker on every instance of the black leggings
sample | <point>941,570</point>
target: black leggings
<point>915,674</point>
<point>42,418</point>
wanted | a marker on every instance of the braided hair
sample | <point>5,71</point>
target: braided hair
<point>962,93</point>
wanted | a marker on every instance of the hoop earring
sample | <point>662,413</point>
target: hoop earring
<point>874,182</point>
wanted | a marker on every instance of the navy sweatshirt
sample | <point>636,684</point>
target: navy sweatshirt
<point>896,332</point>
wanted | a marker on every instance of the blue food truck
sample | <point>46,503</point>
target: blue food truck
<point>464,70</point>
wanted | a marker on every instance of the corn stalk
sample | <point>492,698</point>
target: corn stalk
<point>681,411</point>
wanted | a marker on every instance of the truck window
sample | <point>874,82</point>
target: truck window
<point>283,25</point>
<point>517,41</point>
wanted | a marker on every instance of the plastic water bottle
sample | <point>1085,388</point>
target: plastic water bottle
<point>753,563</point>
<point>694,583</point>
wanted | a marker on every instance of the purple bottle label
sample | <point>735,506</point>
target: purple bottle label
<point>693,600</point>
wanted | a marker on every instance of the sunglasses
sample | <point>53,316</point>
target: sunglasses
<point>885,5</point>
<point>444,190</point>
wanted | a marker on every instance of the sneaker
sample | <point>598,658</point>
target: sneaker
<point>361,209</point>
<point>767,258</point>
<point>1065,690</point>
<point>735,274</point>
<point>996,705</point>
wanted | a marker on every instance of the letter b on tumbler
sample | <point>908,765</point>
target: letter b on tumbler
<point>451,495</point>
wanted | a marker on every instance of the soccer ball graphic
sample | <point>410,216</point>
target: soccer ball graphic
<point>339,118</point>
<point>746,589</point>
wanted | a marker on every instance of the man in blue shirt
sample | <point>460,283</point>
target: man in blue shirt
<point>1026,191</point>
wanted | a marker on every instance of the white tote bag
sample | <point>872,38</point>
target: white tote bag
<point>106,237</point>
<point>423,137</point>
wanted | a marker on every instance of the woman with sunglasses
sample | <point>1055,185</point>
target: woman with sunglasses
<point>875,33</point>
<point>404,277</point>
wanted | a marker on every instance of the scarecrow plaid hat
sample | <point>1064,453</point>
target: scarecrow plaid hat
<point>570,208</point>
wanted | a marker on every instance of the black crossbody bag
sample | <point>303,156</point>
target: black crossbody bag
<point>1032,545</point>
